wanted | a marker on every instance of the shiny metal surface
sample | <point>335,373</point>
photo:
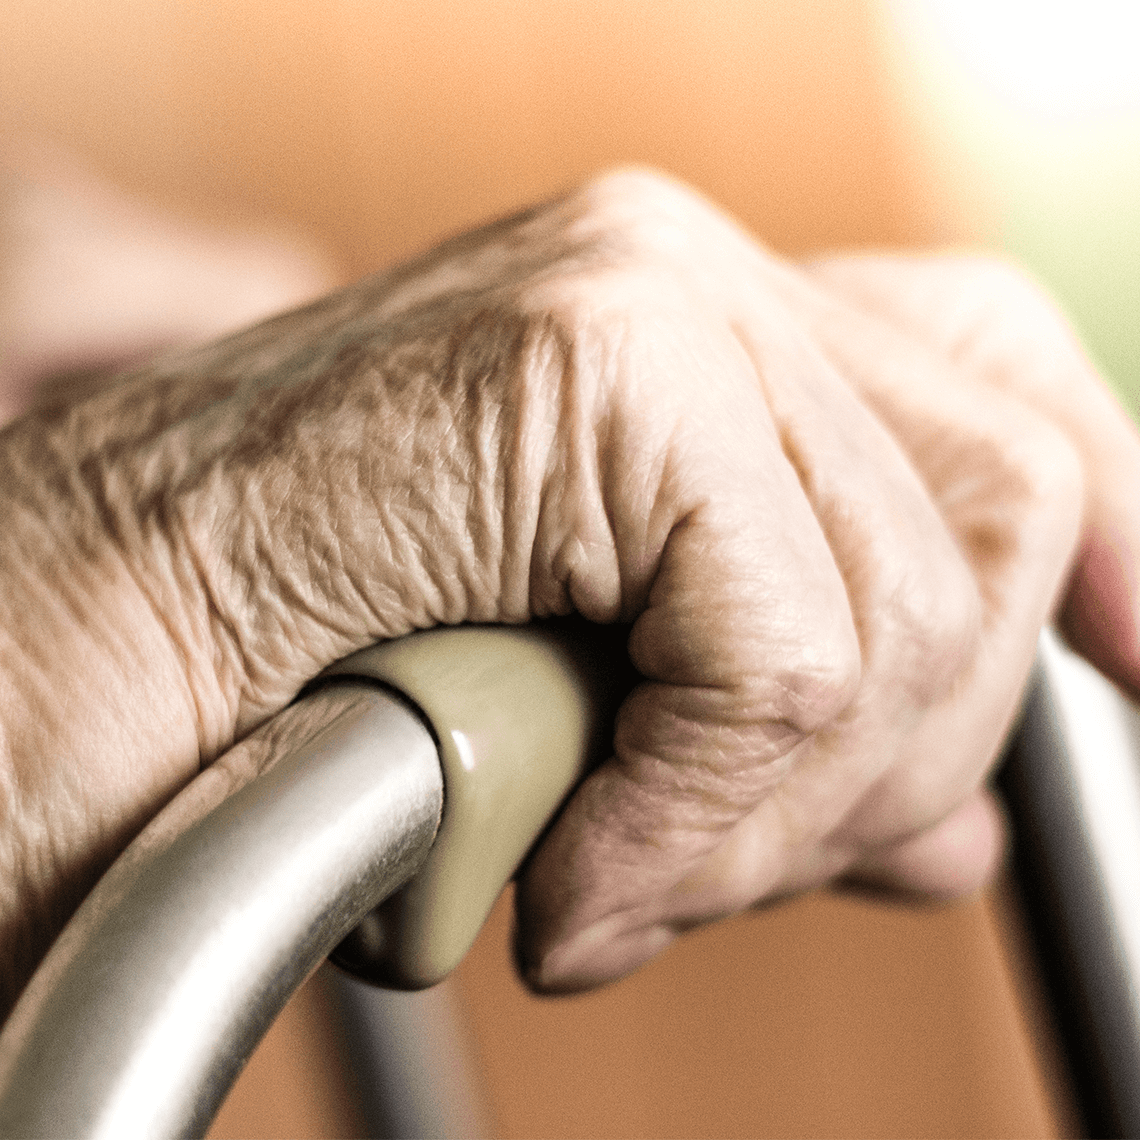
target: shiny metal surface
<point>149,1004</point>
<point>410,1062</point>
<point>1072,783</point>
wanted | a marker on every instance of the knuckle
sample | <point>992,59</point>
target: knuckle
<point>632,192</point>
<point>1043,470</point>
<point>938,623</point>
<point>819,680</point>
<point>1008,326</point>
<point>994,281</point>
<point>640,214</point>
<point>990,291</point>
<point>634,237</point>
<point>1022,512</point>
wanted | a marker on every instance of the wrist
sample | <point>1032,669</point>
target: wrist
<point>96,730</point>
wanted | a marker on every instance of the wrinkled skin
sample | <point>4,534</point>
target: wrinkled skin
<point>836,502</point>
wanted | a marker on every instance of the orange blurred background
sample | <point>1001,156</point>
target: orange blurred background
<point>382,124</point>
<point>378,126</point>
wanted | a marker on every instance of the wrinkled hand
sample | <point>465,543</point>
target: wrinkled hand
<point>836,502</point>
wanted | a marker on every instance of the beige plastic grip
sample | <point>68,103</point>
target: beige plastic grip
<point>520,713</point>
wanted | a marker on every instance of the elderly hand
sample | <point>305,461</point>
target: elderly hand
<point>836,503</point>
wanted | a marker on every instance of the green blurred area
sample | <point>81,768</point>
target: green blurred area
<point>1076,226</point>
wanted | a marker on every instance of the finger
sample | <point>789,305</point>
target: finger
<point>1007,487</point>
<point>748,646</point>
<point>915,612</point>
<point>994,323</point>
<point>955,857</point>
<point>1008,484</point>
<point>919,601</point>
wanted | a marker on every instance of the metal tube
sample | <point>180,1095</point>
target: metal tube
<point>151,1001</point>
<point>149,1004</point>
<point>408,1059</point>
<point>1072,783</point>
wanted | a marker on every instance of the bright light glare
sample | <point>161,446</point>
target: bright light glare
<point>1058,58</point>
<point>463,747</point>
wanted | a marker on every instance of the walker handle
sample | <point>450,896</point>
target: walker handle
<point>147,1007</point>
<point>152,999</point>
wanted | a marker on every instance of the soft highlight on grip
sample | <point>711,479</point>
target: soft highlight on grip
<point>520,715</point>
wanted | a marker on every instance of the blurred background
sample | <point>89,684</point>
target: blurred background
<point>375,127</point>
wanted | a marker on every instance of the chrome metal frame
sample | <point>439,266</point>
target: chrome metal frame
<point>148,1006</point>
<point>1072,785</point>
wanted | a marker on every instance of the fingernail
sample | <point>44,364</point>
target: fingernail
<point>599,954</point>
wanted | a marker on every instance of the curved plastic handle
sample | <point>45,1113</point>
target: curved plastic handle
<point>520,714</point>
<point>147,1007</point>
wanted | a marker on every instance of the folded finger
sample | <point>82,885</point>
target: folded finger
<point>992,322</point>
